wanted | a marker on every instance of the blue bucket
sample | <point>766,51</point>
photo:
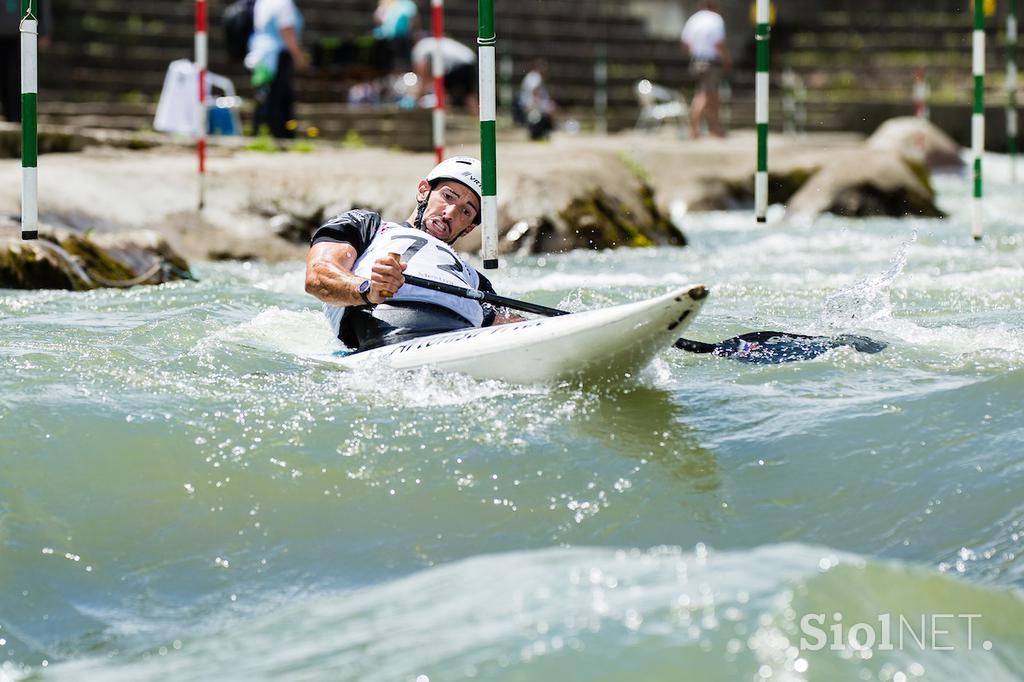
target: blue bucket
<point>222,121</point>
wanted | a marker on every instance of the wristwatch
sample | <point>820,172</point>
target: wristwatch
<point>364,291</point>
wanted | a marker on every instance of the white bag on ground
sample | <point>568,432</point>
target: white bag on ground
<point>178,110</point>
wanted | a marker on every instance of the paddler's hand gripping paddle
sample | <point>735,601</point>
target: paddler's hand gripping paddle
<point>398,259</point>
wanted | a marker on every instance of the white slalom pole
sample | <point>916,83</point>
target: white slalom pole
<point>29,142</point>
<point>201,66</point>
<point>437,66</point>
<point>761,118</point>
<point>978,117</point>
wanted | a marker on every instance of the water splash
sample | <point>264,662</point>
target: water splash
<point>867,299</point>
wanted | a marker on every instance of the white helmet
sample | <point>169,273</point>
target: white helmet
<point>462,169</point>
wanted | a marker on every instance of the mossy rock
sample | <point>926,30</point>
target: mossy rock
<point>920,171</point>
<point>726,193</point>
<point>782,186</point>
<point>866,201</point>
<point>95,260</point>
<point>67,260</point>
<point>660,228</point>
<point>599,220</point>
<point>867,182</point>
<point>30,265</point>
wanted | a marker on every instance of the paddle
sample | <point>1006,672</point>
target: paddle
<point>476,294</point>
<point>761,347</point>
<point>484,296</point>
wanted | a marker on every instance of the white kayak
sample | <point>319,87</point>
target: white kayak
<point>594,344</point>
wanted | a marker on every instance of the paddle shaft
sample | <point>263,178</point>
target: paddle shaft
<point>484,296</point>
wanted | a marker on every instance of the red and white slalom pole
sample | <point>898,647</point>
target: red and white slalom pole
<point>437,63</point>
<point>201,65</point>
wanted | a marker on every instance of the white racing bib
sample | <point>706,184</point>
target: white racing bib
<point>429,258</point>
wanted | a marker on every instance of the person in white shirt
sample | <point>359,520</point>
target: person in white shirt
<point>274,56</point>
<point>459,67</point>
<point>703,38</point>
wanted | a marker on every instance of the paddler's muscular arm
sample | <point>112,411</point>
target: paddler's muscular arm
<point>329,275</point>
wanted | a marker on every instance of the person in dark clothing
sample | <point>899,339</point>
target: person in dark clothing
<point>274,57</point>
<point>275,101</point>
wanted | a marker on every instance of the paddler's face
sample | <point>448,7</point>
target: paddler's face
<point>451,209</point>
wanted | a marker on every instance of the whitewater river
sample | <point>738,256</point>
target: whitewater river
<point>186,494</point>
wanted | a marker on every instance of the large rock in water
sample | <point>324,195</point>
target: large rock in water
<point>597,219</point>
<point>919,140</point>
<point>555,199</point>
<point>62,259</point>
<point>866,182</point>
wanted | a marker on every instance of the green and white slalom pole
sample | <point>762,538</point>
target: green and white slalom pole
<point>978,117</point>
<point>29,141</point>
<point>761,118</point>
<point>1011,88</point>
<point>487,41</point>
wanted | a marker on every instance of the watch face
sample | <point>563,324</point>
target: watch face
<point>364,287</point>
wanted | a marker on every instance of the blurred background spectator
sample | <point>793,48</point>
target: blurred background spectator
<point>534,106</point>
<point>703,37</point>
<point>274,56</point>
<point>460,73</point>
<point>397,21</point>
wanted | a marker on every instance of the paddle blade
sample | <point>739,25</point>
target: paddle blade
<point>862,343</point>
<point>772,348</point>
<point>691,346</point>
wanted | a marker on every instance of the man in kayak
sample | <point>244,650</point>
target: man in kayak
<point>352,268</point>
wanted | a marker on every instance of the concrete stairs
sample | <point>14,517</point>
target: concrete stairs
<point>107,62</point>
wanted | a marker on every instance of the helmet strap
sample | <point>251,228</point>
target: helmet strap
<point>421,209</point>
